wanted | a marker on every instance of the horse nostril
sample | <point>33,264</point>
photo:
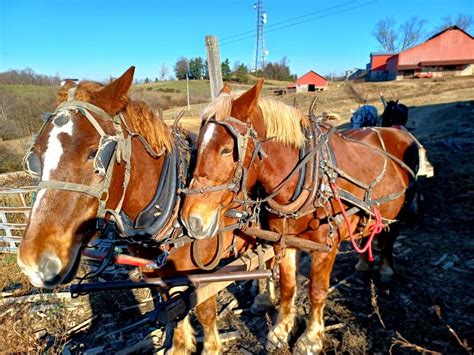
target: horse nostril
<point>194,224</point>
<point>50,269</point>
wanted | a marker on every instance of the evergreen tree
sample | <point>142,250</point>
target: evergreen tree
<point>226,72</point>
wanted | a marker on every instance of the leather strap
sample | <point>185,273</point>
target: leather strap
<point>217,258</point>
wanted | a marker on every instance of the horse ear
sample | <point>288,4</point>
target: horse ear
<point>226,89</point>
<point>247,102</point>
<point>114,97</point>
<point>397,101</point>
<point>63,90</point>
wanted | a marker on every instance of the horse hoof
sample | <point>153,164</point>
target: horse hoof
<point>259,309</point>
<point>261,304</point>
<point>386,274</point>
<point>210,352</point>
<point>305,345</point>
<point>275,343</point>
<point>178,351</point>
<point>362,266</point>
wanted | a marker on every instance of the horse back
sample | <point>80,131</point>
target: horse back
<point>396,142</point>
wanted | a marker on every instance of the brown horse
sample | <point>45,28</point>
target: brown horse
<point>354,185</point>
<point>76,187</point>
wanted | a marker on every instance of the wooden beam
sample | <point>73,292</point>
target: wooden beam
<point>248,261</point>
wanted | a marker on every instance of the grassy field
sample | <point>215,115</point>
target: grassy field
<point>170,96</point>
<point>341,97</point>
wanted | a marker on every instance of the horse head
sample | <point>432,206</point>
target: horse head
<point>74,155</point>
<point>236,135</point>
<point>221,159</point>
<point>394,114</point>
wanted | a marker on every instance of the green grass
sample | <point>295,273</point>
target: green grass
<point>28,89</point>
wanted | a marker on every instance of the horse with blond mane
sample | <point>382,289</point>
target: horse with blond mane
<point>314,182</point>
<point>101,157</point>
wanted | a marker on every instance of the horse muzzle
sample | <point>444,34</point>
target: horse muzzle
<point>46,273</point>
<point>198,230</point>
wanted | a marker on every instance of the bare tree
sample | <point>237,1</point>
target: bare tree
<point>392,40</point>
<point>463,21</point>
<point>163,72</point>
<point>411,32</point>
<point>385,34</point>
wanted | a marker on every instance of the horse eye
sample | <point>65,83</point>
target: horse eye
<point>92,154</point>
<point>225,151</point>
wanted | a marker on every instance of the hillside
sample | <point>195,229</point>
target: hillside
<point>170,96</point>
<point>341,97</point>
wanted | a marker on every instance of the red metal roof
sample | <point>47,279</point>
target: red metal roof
<point>451,46</point>
<point>312,78</point>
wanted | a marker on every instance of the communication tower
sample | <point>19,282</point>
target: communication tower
<point>260,51</point>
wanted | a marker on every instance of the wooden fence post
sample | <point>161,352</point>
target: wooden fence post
<point>214,65</point>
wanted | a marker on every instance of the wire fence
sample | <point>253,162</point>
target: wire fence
<point>15,207</point>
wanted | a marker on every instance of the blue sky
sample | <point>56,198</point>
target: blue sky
<point>93,39</point>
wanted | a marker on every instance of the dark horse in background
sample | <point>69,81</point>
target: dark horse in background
<point>394,114</point>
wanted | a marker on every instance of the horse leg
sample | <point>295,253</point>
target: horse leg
<point>362,263</point>
<point>386,241</point>
<point>266,296</point>
<point>278,336</point>
<point>363,259</point>
<point>183,339</point>
<point>311,341</point>
<point>206,313</point>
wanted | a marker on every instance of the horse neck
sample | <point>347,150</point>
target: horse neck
<point>277,164</point>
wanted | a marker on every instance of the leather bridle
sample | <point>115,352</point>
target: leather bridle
<point>238,183</point>
<point>122,152</point>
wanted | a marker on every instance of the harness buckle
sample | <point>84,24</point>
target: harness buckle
<point>159,262</point>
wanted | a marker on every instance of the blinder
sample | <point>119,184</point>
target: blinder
<point>105,153</point>
<point>32,164</point>
<point>239,180</point>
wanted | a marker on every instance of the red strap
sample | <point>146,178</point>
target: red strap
<point>376,228</point>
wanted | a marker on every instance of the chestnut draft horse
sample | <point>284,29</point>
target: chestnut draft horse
<point>318,185</point>
<point>102,154</point>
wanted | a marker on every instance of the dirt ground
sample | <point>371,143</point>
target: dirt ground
<point>428,307</point>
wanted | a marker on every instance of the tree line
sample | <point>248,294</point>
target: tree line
<point>27,77</point>
<point>196,69</point>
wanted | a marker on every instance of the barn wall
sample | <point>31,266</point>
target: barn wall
<point>301,88</point>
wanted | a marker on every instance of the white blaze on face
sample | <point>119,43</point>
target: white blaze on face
<point>207,135</point>
<point>54,149</point>
<point>52,155</point>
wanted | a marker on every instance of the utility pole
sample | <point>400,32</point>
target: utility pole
<point>187,84</point>
<point>187,90</point>
<point>214,65</point>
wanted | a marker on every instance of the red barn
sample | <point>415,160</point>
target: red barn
<point>377,68</point>
<point>448,53</point>
<point>311,81</point>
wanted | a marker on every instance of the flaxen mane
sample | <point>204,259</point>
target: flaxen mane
<point>139,116</point>
<point>282,122</point>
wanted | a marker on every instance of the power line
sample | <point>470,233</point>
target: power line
<point>308,20</point>
<point>289,20</point>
